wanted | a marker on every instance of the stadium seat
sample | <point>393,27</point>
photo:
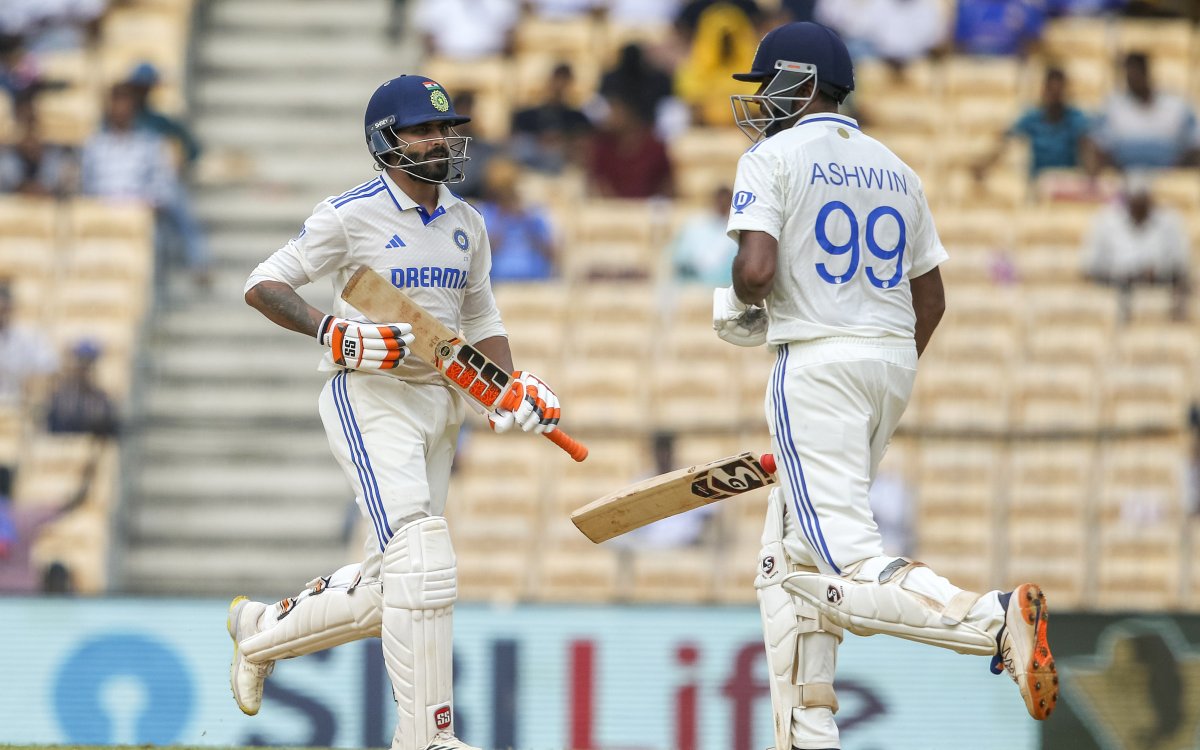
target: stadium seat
<point>691,395</point>
<point>674,576</point>
<point>91,218</point>
<point>576,573</point>
<point>28,217</point>
<point>992,77</point>
<point>488,572</point>
<point>966,396</point>
<point>1055,398</point>
<point>1147,396</point>
<point>555,37</point>
<point>1066,343</point>
<point>604,395</point>
<point>1079,38</point>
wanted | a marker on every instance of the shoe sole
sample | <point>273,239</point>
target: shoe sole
<point>1040,678</point>
<point>233,605</point>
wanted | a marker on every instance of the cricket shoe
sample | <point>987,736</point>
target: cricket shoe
<point>1024,651</point>
<point>444,740</point>
<point>246,678</point>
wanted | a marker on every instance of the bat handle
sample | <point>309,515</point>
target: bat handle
<point>573,447</point>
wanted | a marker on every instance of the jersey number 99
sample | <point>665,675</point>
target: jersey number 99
<point>853,247</point>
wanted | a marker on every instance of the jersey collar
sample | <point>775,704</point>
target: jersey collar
<point>403,202</point>
<point>829,117</point>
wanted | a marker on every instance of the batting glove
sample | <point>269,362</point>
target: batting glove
<point>365,346</point>
<point>736,322</point>
<point>538,412</point>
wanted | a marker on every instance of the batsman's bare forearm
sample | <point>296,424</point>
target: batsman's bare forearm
<point>754,267</point>
<point>929,303</point>
<point>282,306</point>
<point>496,348</point>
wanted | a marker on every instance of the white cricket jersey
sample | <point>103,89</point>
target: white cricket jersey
<point>853,227</point>
<point>442,260</point>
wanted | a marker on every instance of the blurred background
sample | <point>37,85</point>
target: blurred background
<point>160,449</point>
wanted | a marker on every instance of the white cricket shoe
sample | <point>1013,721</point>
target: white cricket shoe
<point>447,741</point>
<point>1025,652</point>
<point>246,678</point>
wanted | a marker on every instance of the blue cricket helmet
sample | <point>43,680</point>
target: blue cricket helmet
<point>403,102</point>
<point>805,42</point>
<point>789,57</point>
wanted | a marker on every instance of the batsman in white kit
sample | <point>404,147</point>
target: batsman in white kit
<point>837,270</point>
<point>392,423</point>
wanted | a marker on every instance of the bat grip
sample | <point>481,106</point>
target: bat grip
<point>573,447</point>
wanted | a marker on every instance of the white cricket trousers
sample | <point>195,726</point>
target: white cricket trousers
<point>395,441</point>
<point>832,405</point>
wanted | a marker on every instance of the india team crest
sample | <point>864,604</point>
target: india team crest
<point>439,101</point>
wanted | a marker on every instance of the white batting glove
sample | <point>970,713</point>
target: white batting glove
<point>538,412</point>
<point>365,346</point>
<point>736,322</point>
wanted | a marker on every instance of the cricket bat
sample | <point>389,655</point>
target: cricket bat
<point>673,493</point>
<point>478,377</point>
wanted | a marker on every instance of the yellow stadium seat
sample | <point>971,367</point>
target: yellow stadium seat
<point>996,77</point>
<point>1043,264</point>
<point>531,71</point>
<point>988,228</point>
<point>1149,395</point>
<point>1140,566</point>
<point>1157,37</point>
<point>958,479</point>
<point>918,79</point>
<point>93,219</point>
<point>1156,341</point>
<point>688,395</point>
<point>118,259</point>
<point>67,116</point>
<point>1051,480</point>
<point>966,396</point>
<point>1056,223</point>
<point>1056,398</point>
<point>27,217</point>
<point>1141,481</point>
<point>27,257</point>
<point>576,573</point>
<point>1078,38</point>
<point>1179,188</point>
<point>604,395</point>
<point>994,345</point>
<point>1065,343</point>
<point>673,576</point>
<point>1088,306</point>
<point>488,572</point>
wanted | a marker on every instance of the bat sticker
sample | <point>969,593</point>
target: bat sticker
<point>734,478</point>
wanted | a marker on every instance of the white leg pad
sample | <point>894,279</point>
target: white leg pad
<point>333,610</point>
<point>801,649</point>
<point>927,611</point>
<point>419,591</point>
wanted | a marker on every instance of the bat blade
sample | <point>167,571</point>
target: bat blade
<point>478,377</point>
<point>670,494</point>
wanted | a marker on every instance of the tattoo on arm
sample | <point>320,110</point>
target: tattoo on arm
<point>282,306</point>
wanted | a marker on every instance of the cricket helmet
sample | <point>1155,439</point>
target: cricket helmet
<point>788,57</point>
<point>404,102</point>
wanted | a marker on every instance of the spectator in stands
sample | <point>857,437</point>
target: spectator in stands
<point>31,166</point>
<point>53,25</point>
<point>999,27</point>
<point>1057,131</point>
<point>725,37</point>
<point>627,160</point>
<point>77,403</point>
<point>19,528</point>
<point>550,135</point>
<point>690,17</point>
<point>521,238</point>
<point>702,251</point>
<point>466,29</point>
<point>1137,242</point>
<point>637,80</point>
<point>26,359</point>
<point>481,150</point>
<point>123,162</point>
<point>142,80</point>
<point>18,70</point>
<point>897,31</point>
<point>1144,127</point>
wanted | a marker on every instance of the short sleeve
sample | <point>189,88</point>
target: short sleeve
<point>480,316</point>
<point>927,250</point>
<point>756,195</point>
<point>1023,125</point>
<point>317,251</point>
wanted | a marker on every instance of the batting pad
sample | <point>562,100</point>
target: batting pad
<point>867,607</point>
<point>332,611</point>
<point>419,591</point>
<point>801,648</point>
